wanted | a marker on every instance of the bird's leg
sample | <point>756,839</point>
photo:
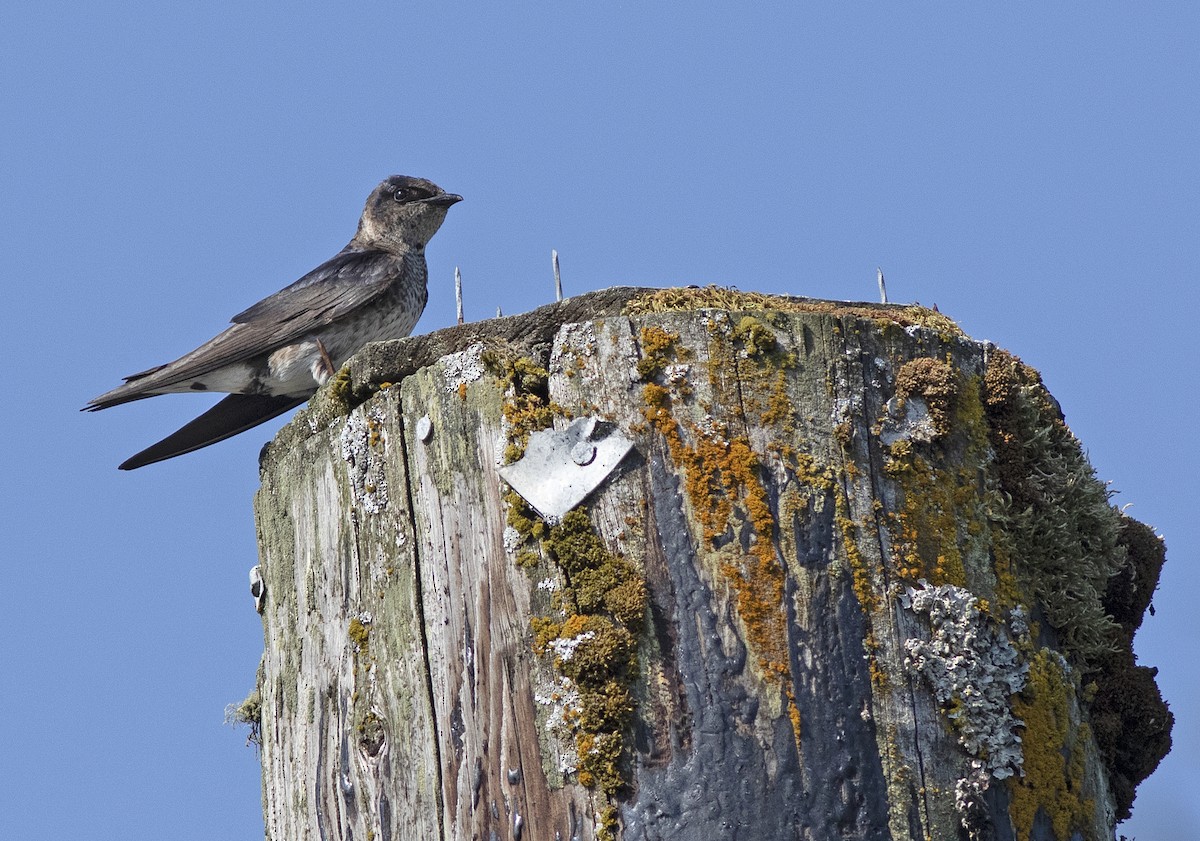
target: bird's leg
<point>326,362</point>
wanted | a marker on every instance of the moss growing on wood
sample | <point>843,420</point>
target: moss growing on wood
<point>1132,724</point>
<point>934,381</point>
<point>734,300</point>
<point>527,405</point>
<point>1131,720</point>
<point>340,392</point>
<point>360,635</point>
<point>941,528</point>
<point>603,603</point>
<point>249,712</point>
<point>1053,782</point>
<point>600,608</point>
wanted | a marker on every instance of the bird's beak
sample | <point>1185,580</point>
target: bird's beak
<point>444,199</point>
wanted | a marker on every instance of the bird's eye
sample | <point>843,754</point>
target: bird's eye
<point>403,194</point>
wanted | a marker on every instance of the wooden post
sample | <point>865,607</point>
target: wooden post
<point>854,580</point>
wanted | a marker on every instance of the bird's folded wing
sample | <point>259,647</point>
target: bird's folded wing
<point>329,292</point>
<point>236,413</point>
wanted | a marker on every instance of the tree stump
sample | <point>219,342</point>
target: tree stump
<point>854,579</point>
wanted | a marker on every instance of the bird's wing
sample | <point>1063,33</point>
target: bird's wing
<point>236,413</point>
<point>327,293</point>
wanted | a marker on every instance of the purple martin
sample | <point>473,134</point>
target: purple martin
<point>279,351</point>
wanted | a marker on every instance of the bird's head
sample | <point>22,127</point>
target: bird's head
<point>403,213</point>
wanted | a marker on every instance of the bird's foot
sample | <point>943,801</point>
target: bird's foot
<point>325,368</point>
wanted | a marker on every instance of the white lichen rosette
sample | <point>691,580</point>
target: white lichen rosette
<point>973,668</point>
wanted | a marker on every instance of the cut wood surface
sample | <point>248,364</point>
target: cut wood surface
<point>852,581</point>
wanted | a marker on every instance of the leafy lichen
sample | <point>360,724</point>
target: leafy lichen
<point>1058,517</point>
<point>974,670</point>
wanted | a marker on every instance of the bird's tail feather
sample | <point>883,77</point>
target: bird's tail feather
<point>127,392</point>
<point>236,413</point>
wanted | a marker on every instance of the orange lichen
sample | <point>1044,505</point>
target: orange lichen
<point>722,482</point>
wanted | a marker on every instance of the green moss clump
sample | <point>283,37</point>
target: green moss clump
<point>340,392</point>
<point>527,405</point>
<point>936,383</point>
<point>360,635</point>
<point>248,712</point>
<point>1131,589</point>
<point>595,645</point>
<point>725,298</point>
<point>659,349</point>
<point>608,826</point>
<point>1131,720</point>
<point>1132,724</point>
<point>521,516</point>
<point>940,531</point>
<point>755,337</point>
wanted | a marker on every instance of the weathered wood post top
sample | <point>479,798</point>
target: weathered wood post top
<point>692,564</point>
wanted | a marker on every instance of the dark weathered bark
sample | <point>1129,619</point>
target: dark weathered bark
<point>802,607</point>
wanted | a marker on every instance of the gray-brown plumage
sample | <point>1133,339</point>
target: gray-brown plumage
<point>279,351</point>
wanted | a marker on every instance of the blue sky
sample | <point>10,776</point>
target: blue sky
<point>1031,171</point>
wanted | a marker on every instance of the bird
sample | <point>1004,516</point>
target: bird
<point>278,352</point>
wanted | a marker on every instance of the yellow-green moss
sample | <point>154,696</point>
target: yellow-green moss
<point>608,824</point>
<point>249,712</point>
<point>935,518</point>
<point>339,390</point>
<point>942,530</point>
<point>598,612</point>
<point>595,645</point>
<point>659,349</point>
<point>360,635</point>
<point>1054,753</point>
<point>527,406</point>
<point>865,590</point>
<point>755,338</point>
<point>724,298</point>
<point>521,516</point>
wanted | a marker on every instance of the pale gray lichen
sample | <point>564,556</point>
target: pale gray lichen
<point>368,484</point>
<point>564,649</point>
<point>561,707</point>
<point>974,670</point>
<point>513,540</point>
<point>907,419</point>
<point>463,367</point>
